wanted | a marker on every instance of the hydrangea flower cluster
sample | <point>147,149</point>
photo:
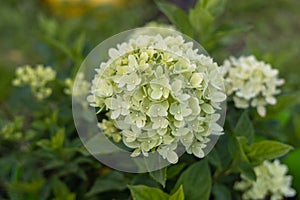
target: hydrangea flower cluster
<point>36,78</point>
<point>251,83</point>
<point>271,181</point>
<point>160,93</point>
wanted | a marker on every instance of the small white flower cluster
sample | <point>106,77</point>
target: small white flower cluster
<point>271,180</point>
<point>69,86</point>
<point>13,130</point>
<point>110,130</point>
<point>159,92</point>
<point>81,87</point>
<point>36,78</point>
<point>251,83</point>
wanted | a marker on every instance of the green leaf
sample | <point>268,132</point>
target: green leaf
<point>47,25</point>
<point>108,182</point>
<point>174,170</point>
<point>201,20</point>
<point>143,179</point>
<point>227,30</point>
<point>160,176</point>
<point>61,191</point>
<point>244,127</point>
<point>196,181</point>
<point>292,161</point>
<point>214,158</point>
<point>77,53</point>
<point>178,195</point>
<point>57,140</point>
<point>44,144</point>
<point>142,192</point>
<point>221,192</point>
<point>16,175</point>
<point>93,145</point>
<point>223,152</point>
<point>54,164</point>
<point>266,150</point>
<point>59,46</point>
<point>79,44</point>
<point>32,187</point>
<point>177,16</point>
<point>237,148</point>
<point>215,7</point>
<point>7,74</point>
<point>247,170</point>
<point>296,124</point>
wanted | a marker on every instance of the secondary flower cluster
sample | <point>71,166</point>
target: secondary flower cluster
<point>81,86</point>
<point>271,181</point>
<point>13,130</point>
<point>109,129</point>
<point>160,93</point>
<point>251,83</point>
<point>36,78</point>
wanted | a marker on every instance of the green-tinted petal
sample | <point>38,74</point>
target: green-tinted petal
<point>218,96</point>
<point>179,124</point>
<point>216,127</point>
<point>207,108</point>
<point>132,61</point>
<point>180,131</point>
<point>176,86</point>
<point>156,94</point>
<point>194,105</point>
<point>136,152</point>
<point>196,79</point>
<point>197,150</point>
<point>174,108</point>
<point>167,139</point>
<point>187,139</point>
<point>162,131</point>
<point>186,111</point>
<point>181,66</point>
<point>115,114</point>
<point>172,157</point>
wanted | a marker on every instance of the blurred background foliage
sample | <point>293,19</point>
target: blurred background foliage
<point>272,35</point>
<point>61,34</point>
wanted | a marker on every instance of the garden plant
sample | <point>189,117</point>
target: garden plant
<point>173,104</point>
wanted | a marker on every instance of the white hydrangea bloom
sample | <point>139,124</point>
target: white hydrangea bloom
<point>36,78</point>
<point>251,82</point>
<point>271,181</point>
<point>158,92</point>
